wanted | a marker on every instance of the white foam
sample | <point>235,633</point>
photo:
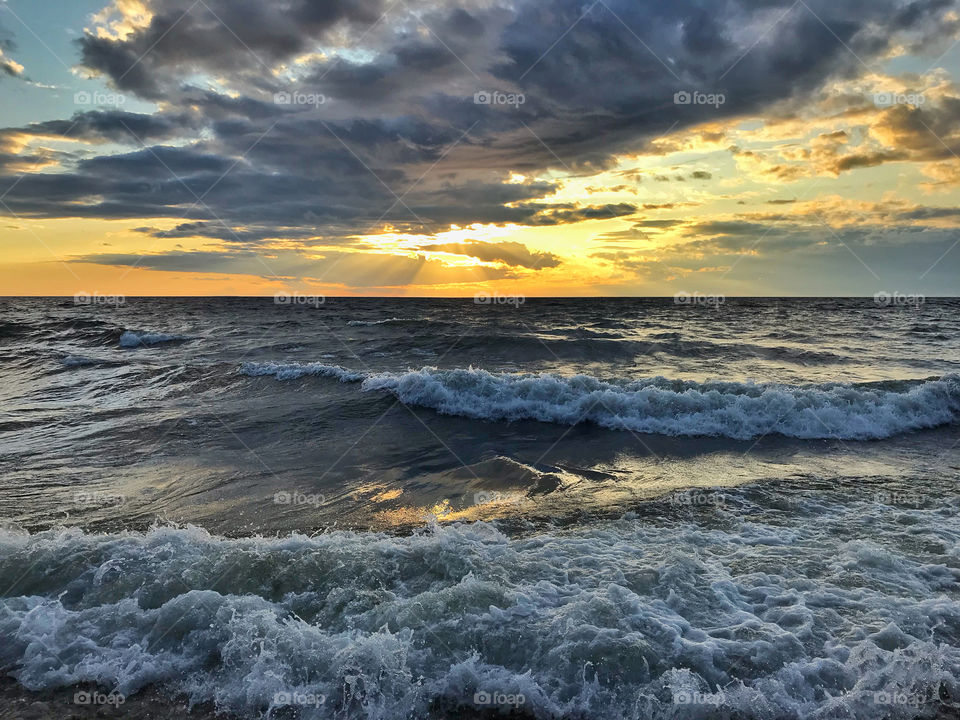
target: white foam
<point>657,405</point>
<point>385,321</point>
<point>615,621</point>
<point>78,361</point>
<point>292,371</point>
<point>131,339</point>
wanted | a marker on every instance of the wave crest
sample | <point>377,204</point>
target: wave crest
<point>131,339</point>
<point>593,624</point>
<point>726,409</point>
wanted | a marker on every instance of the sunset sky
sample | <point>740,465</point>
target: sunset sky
<point>744,147</point>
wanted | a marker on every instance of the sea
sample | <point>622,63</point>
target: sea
<point>598,508</point>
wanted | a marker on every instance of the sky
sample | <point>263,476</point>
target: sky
<point>424,148</point>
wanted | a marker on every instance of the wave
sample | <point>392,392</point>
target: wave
<point>73,362</point>
<point>79,361</point>
<point>622,619</point>
<point>666,407</point>
<point>292,371</point>
<point>130,339</point>
<point>13,330</point>
<point>591,345</point>
<point>386,321</point>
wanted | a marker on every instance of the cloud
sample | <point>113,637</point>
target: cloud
<point>390,133</point>
<point>8,66</point>
<point>350,269</point>
<point>728,227</point>
<point>114,126</point>
<point>509,253</point>
<point>218,36</point>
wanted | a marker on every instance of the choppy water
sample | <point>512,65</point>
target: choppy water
<point>626,508</point>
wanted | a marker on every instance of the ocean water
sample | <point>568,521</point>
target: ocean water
<point>596,508</point>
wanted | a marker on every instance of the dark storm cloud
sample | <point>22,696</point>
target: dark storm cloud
<point>221,36</point>
<point>390,130</point>
<point>100,126</point>
<point>596,212</point>
<point>869,159</point>
<point>219,231</point>
<point>729,227</point>
<point>359,270</point>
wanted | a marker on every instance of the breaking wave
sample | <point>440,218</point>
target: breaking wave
<point>622,619</point>
<point>660,406</point>
<point>131,339</point>
<point>385,321</point>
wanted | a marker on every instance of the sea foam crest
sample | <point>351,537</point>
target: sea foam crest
<point>131,339</point>
<point>657,405</point>
<point>292,371</point>
<point>700,624</point>
<point>385,321</point>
